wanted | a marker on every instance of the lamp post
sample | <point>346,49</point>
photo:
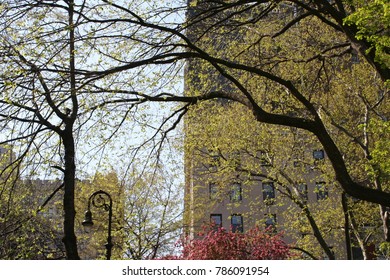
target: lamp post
<point>99,200</point>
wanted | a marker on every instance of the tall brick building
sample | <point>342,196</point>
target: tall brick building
<point>241,174</point>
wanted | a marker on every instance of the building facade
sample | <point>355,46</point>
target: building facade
<point>241,174</point>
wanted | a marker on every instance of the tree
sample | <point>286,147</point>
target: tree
<point>58,60</point>
<point>227,149</point>
<point>51,85</point>
<point>209,131</point>
<point>29,226</point>
<point>153,214</point>
<point>282,69</point>
<point>372,20</point>
<point>39,100</point>
<point>308,114</point>
<point>220,244</point>
<point>147,207</point>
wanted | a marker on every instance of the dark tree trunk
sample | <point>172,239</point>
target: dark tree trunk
<point>317,233</point>
<point>69,239</point>
<point>69,147</point>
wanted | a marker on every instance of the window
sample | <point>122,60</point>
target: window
<point>270,222</point>
<point>216,220</point>
<point>236,193</point>
<point>269,193</point>
<point>318,154</point>
<point>213,190</point>
<point>237,223</point>
<point>302,190</point>
<point>321,191</point>
<point>355,58</point>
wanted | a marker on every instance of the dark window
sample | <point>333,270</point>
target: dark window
<point>321,191</point>
<point>355,58</point>
<point>269,193</point>
<point>236,192</point>
<point>318,154</point>
<point>302,189</point>
<point>270,222</point>
<point>216,220</point>
<point>237,223</point>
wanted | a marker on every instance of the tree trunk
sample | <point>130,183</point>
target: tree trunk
<point>385,222</point>
<point>69,148</point>
<point>342,175</point>
<point>318,235</point>
<point>68,203</point>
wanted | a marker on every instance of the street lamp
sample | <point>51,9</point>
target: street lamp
<point>99,200</point>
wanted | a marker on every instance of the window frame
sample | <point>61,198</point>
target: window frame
<point>321,191</point>
<point>212,220</point>
<point>272,225</point>
<point>233,192</point>
<point>237,227</point>
<point>303,191</point>
<point>268,199</point>
<point>319,154</point>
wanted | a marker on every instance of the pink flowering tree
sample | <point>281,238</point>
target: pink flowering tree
<point>220,244</point>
